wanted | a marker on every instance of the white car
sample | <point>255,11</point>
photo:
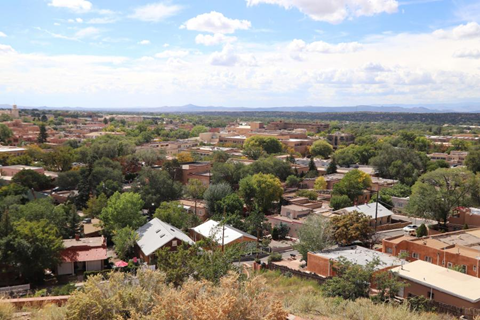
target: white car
<point>410,228</point>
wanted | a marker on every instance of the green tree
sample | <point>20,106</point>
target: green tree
<point>60,159</point>
<point>350,227</point>
<point>5,134</point>
<point>353,184</point>
<point>315,234</point>
<point>340,202</point>
<point>332,167</point>
<point>293,181</point>
<point>149,156</point>
<point>124,243</point>
<point>310,194</point>
<point>220,156</point>
<point>270,145</point>
<point>388,285</point>
<point>267,189</point>
<point>346,156</point>
<point>37,247</point>
<point>230,172</point>
<point>321,148</point>
<point>68,180</point>
<point>173,213</point>
<point>42,135</point>
<point>32,180</point>
<point>352,281</point>
<point>95,206</point>
<point>312,169</point>
<point>122,210</point>
<point>271,165</point>
<point>195,132</point>
<point>436,194</point>
<point>320,184</point>
<point>472,161</point>
<point>214,195</point>
<point>422,231</point>
<point>195,189</point>
<point>157,186</point>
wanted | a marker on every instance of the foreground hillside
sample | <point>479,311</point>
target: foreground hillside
<point>266,296</point>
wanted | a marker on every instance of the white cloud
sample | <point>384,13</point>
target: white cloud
<point>172,54</point>
<point>75,5</point>
<point>463,31</point>
<point>144,42</point>
<point>79,20</point>
<point>215,22</point>
<point>467,53</point>
<point>105,20</point>
<point>56,24</point>
<point>334,11</point>
<point>155,12</point>
<point>2,35</point>
<point>5,49</point>
<point>166,45</point>
<point>89,32</point>
<point>228,58</point>
<point>299,47</point>
<point>212,40</point>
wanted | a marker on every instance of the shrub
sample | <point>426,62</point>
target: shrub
<point>104,273</point>
<point>274,256</point>
<point>420,304</point>
<point>64,290</point>
<point>422,231</point>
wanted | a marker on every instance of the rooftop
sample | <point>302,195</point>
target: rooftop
<point>155,234</point>
<point>369,209</point>
<point>442,279</point>
<point>84,242</point>
<point>360,255</point>
<point>213,229</point>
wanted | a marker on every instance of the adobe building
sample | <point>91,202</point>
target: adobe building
<point>12,113</point>
<point>452,249</point>
<point>323,262</point>
<point>82,254</point>
<point>439,284</point>
<point>312,127</point>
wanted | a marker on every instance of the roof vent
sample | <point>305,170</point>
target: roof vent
<point>162,235</point>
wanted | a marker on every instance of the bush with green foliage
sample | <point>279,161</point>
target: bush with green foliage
<point>274,256</point>
<point>422,231</point>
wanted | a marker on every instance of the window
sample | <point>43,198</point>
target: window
<point>443,262</point>
<point>389,250</point>
<point>464,268</point>
<point>428,259</point>
<point>431,295</point>
<point>474,268</point>
<point>415,255</point>
<point>174,243</point>
<point>449,265</point>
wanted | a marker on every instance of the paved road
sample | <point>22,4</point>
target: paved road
<point>413,220</point>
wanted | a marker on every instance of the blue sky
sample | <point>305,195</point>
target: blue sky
<point>100,53</point>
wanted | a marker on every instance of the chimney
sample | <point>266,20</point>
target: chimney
<point>77,237</point>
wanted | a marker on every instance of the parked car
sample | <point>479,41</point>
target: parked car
<point>410,228</point>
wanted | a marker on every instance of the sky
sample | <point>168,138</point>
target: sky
<point>253,53</point>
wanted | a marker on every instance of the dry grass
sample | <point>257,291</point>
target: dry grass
<point>303,298</point>
<point>6,310</point>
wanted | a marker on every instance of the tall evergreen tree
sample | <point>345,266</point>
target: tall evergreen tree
<point>42,136</point>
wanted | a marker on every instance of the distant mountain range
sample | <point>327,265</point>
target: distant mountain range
<point>190,108</point>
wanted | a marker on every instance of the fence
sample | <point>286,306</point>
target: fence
<point>469,313</point>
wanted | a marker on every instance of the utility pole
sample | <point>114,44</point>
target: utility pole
<point>223,230</point>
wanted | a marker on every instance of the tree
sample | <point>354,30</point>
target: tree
<point>352,281</point>
<point>42,135</point>
<point>175,214</point>
<point>195,132</point>
<point>271,165</point>
<point>310,194</point>
<point>270,145</point>
<point>195,189</point>
<point>321,148</point>
<point>472,161</point>
<point>353,184</point>
<point>230,172</point>
<point>220,156</point>
<point>320,184</point>
<point>68,180</point>
<point>37,247</point>
<point>280,231</point>
<point>124,243</point>
<point>434,165</point>
<point>156,186</point>
<point>60,159</point>
<point>149,156</point>
<point>5,134</point>
<point>315,234</point>
<point>184,157</point>
<point>122,210</point>
<point>438,193</point>
<point>332,167</point>
<point>32,180</point>
<point>312,169</point>
<point>350,227</point>
<point>265,189</point>
<point>95,206</point>
<point>388,285</point>
<point>293,181</point>
<point>214,195</point>
<point>422,231</point>
<point>346,156</point>
<point>340,202</point>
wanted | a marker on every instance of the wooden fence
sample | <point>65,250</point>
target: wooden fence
<point>297,273</point>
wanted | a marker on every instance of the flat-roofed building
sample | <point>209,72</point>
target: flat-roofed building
<point>439,284</point>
